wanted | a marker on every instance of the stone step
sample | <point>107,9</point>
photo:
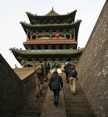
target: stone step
<point>23,116</point>
<point>76,102</point>
<point>27,112</point>
<point>76,105</point>
<point>69,105</point>
<point>50,110</point>
<point>80,111</point>
<point>37,107</point>
<point>81,115</point>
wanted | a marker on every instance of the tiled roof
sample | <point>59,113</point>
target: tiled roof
<point>40,52</point>
<point>24,24</point>
<point>51,15</point>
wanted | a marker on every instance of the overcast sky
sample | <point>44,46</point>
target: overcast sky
<point>13,11</point>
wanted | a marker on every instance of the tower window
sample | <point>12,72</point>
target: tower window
<point>47,30</point>
<point>51,21</point>
<point>33,36</point>
<point>68,36</point>
<point>45,21</point>
<point>58,21</point>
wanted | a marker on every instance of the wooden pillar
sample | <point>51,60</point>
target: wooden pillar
<point>30,36</point>
<point>64,36</point>
<point>70,36</point>
<point>50,36</point>
<point>36,36</point>
<point>74,34</point>
<point>27,36</point>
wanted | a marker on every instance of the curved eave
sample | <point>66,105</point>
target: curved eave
<point>45,17</point>
<point>19,54</point>
<point>44,52</point>
<point>75,25</point>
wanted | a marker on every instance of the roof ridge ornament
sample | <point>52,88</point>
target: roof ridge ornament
<point>52,13</point>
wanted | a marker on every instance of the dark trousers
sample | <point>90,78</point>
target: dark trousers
<point>56,95</point>
<point>67,77</point>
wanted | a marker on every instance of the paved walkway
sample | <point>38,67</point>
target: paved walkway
<point>58,70</point>
<point>69,105</point>
<point>50,110</point>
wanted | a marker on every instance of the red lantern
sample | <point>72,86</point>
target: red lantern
<point>57,35</point>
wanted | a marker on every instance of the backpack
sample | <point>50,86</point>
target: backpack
<point>39,69</point>
<point>73,73</point>
<point>56,64</point>
<point>67,68</point>
<point>48,65</point>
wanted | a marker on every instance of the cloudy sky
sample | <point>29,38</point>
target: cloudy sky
<point>13,11</point>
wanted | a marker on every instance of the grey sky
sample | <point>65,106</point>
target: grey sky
<point>13,11</point>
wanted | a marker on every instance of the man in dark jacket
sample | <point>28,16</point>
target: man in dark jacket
<point>55,84</point>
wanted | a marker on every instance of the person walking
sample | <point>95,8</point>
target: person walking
<point>67,68</point>
<point>72,79</point>
<point>39,75</point>
<point>48,66</point>
<point>56,84</point>
<point>56,65</point>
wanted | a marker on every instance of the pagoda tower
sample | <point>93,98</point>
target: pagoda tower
<point>51,37</point>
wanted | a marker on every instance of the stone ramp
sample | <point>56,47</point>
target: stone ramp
<point>50,110</point>
<point>69,105</point>
<point>76,105</point>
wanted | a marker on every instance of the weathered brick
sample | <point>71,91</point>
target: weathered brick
<point>93,65</point>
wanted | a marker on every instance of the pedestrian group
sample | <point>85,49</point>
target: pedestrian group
<point>55,81</point>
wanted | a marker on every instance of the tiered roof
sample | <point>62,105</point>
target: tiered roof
<point>50,24</point>
<point>51,15</point>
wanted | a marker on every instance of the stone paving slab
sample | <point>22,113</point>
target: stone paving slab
<point>50,110</point>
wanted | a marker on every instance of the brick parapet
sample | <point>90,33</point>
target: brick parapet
<point>10,85</point>
<point>29,83</point>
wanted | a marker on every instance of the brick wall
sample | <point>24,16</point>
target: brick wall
<point>14,89</point>
<point>10,84</point>
<point>29,83</point>
<point>27,78</point>
<point>93,65</point>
